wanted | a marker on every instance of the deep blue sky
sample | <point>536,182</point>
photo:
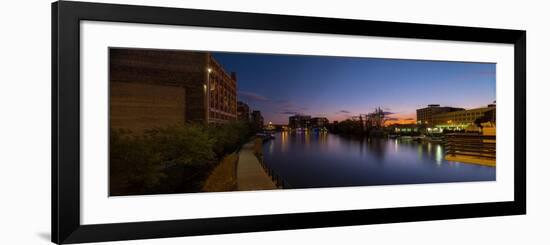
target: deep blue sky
<point>340,87</point>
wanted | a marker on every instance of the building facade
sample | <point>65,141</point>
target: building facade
<point>405,129</point>
<point>464,118</point>
<point>299,121</point>
<point>257,120</point>
<point>425,115</point>
<point>156,88</point>
<point>319,122</point>
<point>243,111</point>
<point>222,99</point>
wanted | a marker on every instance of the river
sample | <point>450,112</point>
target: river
<point>309,160</point>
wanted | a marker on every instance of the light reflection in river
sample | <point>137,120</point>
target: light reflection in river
<point>438,154</point>
<point>319,159</point>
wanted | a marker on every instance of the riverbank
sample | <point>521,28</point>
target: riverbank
<point>250,174</point>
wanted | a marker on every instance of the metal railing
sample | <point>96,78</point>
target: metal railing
<point>276,178</point>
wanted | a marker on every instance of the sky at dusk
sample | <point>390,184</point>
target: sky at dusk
<point>340,87</point>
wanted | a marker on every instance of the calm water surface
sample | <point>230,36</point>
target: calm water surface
<point>305,160</point>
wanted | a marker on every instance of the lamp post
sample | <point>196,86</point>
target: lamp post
<point>208,94</point>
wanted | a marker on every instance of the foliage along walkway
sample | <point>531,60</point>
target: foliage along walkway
<point>250,174</point>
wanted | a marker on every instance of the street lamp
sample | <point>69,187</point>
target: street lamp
<point>208,94</point>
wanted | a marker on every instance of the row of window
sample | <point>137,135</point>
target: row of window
<point>222,97</point>
<point>220,116</point>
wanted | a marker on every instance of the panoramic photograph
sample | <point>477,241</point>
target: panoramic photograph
<point>198,121</point>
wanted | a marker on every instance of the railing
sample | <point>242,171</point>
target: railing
<point>279,182</point>
<point>471,146</point>
<point>235,169</point>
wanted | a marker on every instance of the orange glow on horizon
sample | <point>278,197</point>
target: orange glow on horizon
<point>401,121</point>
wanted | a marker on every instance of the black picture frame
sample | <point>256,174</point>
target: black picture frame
<point>66,17</point>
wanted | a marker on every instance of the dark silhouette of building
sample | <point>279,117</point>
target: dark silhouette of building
<point>319,122</point>
<point>155,88</point>
<point>425,115</point>
<point>299,121</point>
<point>243,111</point>
<point>257,120</point>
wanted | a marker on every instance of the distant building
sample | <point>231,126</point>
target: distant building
<point>319,122</point>
<point>405,129</point>
<point>299,121</point>
<point>270,126</point>
<point>280,127</point>
<point>243,111</point>
<point>425,115</point>
<point>155,88</point>
<point>464,118</point>
<point>257,120</point>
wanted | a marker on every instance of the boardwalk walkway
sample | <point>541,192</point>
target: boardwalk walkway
<point>250,174</point>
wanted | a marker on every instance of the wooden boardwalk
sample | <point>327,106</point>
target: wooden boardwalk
<point>250,174</point>
<point>471,148</point>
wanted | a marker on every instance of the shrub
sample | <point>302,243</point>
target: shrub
<point>227,137</point>
<point>137,162</point>
<point>134,167</point>
<point>170,159</point>
<point>181,145</point>
<point>349,127</point>
<point>224,176</point>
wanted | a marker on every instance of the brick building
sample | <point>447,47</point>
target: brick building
<point>155,88</point>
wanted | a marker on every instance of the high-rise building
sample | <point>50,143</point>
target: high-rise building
<point>154,88</point>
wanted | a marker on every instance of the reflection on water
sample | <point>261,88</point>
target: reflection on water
<point>310,159</point>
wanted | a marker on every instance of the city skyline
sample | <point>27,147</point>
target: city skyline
<point>340,87</point>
